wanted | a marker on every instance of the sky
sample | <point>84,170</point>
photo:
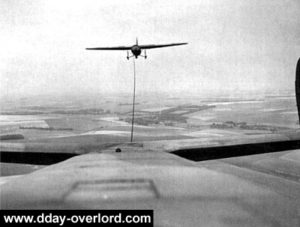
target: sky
<point>233,46</point>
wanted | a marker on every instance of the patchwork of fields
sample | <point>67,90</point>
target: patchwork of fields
<point>109,121</point>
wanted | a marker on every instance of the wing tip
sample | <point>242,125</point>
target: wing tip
<point>179,44</point>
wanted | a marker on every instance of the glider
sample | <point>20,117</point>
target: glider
<point>136,49</point>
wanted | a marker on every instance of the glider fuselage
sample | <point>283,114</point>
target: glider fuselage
<point>136,50</point>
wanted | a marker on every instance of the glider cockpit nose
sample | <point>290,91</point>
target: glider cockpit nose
<point>136,50</point>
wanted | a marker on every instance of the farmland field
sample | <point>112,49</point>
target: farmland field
<point>109,119</point>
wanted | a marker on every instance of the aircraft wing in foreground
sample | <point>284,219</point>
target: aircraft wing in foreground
<point>260,190</point>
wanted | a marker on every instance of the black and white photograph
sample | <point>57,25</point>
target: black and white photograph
<point>150,112</point>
